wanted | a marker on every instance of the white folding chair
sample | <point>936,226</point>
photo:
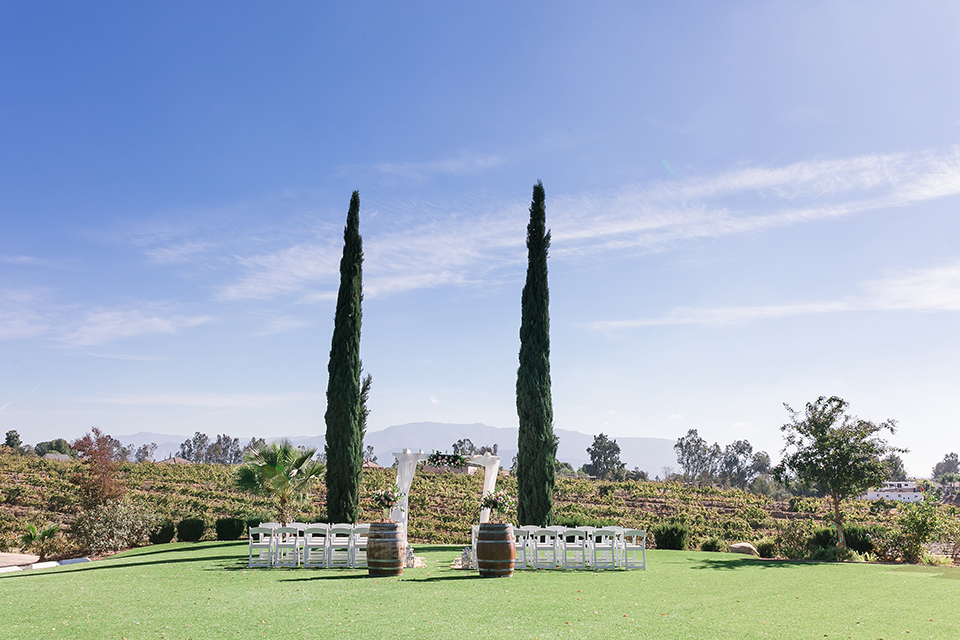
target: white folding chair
<point>604,548</point>
<point>573,548</point>
<point>544,546</point>
<point>634,540</point>
<point>261,547</point>
<point>522,544</point>
<point>474,532</point>
<point>339,547</point>
<point>358,543</point>
<point>315,546</point>
<point>286,547</point>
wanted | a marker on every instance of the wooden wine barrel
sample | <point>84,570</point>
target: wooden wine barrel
<point>496,550</point>
<point>386,548</point>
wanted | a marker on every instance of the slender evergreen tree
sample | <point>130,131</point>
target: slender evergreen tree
<point>344,441</point>
<point>537,446</point>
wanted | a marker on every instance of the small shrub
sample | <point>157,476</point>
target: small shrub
<point>114,526</point>
<point>830,554</point>
<point>230,528</point>
<point>162,533</point>
<point>793,538</point>
<point>823,538</point>
<point>860,537</point>
<point>190,529</point>
<point>767,548</point>
<point>712,544</point>
<point>671,535</point>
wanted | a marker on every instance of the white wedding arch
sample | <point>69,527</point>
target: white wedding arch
<point>407,462</point>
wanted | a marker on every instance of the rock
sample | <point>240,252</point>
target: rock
<point>744,547</point>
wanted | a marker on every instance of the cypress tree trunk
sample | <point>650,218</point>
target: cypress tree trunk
<point>537,447</point>
<point>344,442</point>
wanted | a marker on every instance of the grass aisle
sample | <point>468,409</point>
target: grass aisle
<point>204,591</point>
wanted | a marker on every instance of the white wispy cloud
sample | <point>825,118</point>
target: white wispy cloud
<point>208,400</point>
<point>178,252</point>
<point>463,164</point>
<point>923,290</point>
<point>472,242</point>
<point>22,314</point>
<point>18,259</point>
<point>104,325</point>
<point>284,324</point>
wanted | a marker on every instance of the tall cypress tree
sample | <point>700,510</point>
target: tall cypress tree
<point>537,447</point>
<point>344,442</point>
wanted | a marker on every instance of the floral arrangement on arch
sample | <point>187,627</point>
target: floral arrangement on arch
<point>499,503</point>
<point>386,499</point>
<point>441,460</point>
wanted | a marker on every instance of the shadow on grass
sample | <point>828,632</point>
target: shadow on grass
<point>752,563</point>
<point>411,579</point>
<point>135,560</point>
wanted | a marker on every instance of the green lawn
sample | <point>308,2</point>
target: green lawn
<point>205,591</point>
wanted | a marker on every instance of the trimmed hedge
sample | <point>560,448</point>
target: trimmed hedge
<point>163,533</point>
<point>230,528</point>
<point>190,529</point>
<point>671,535</point>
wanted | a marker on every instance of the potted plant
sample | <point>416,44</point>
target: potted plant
<point>386,540</point>
<point>496,545</point>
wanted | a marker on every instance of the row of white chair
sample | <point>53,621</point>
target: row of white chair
<point>308,545</point>
<point>558,547</point>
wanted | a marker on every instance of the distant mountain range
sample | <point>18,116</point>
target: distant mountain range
<point>649,454</point>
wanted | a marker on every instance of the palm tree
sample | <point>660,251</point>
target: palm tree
<point>39,539</point>
<point>281,471</point>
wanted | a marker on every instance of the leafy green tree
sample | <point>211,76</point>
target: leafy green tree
<point>841,453</point>
<point>55,446</point>
<point>949,464</point>
<point>145,452</point>
<point>344,439</point>
<point>13,441</point>
<point>536,443</point>
<point>282,472</point>
<point>697,459</point>
<point>896,472</point>
<point>604,459</point>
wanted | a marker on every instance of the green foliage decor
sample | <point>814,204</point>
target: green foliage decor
<point>230,528</point>
<point>344,440</point>
<point>536,443</point>
<point>190,529</point>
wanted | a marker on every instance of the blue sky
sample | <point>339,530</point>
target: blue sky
<point>752,203</point>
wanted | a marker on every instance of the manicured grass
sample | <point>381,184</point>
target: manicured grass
<point>205,591</point>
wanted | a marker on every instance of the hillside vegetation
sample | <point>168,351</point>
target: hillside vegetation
<point>442,505</point>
